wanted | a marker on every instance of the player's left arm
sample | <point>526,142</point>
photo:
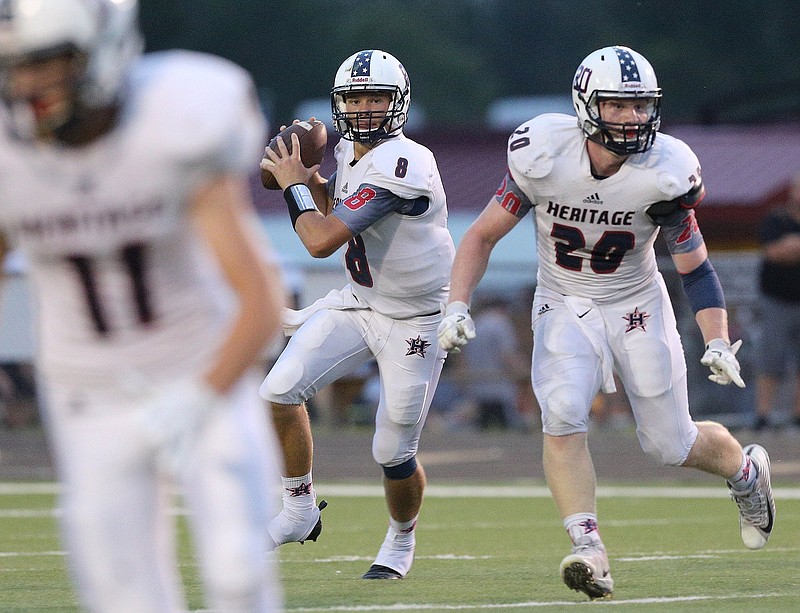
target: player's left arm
<point>704,291</point>
<point>223,215</point>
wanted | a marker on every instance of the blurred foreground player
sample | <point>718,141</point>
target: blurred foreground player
<point>123,182</point>
<point>386,204</point>
<point>600,190</point>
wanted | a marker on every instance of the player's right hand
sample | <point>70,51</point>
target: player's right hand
<point>172,420</point>
<point>457,327</point>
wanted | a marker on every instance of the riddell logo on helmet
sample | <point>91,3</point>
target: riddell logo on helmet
<point>360,80</point>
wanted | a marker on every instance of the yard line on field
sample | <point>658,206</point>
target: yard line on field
<point>476,491</point>
<point>525,605</point>
<point>30,554</point>
<point>55,512</point>
<point>23,489</point>
<point>29,513</point>
<point>441,556</point>
<point>532,491</point>
<point>708,553</point>
<point>696,556</point>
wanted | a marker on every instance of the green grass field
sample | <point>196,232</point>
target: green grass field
<point>474,553</point>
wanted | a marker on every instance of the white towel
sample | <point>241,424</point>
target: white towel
<point>337,299</point>
<point>591,322</point>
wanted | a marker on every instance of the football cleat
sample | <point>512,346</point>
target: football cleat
<point>376,571</point>
<point>586,570</point>
<point>288,527</point>
<point>756,507</point>
<point>317,529</point>
<point>395,556</point>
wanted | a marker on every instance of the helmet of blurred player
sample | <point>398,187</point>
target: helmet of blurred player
<point>617,73</point>
<point>100,36</point>
<point>370,71</point>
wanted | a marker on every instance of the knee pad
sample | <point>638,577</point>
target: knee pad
<point>565,412</point>
<point>401,471</point>
<point>662,451</point>
<point>391,445</point>
<point>281,380</point>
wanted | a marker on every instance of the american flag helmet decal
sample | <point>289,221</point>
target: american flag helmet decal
<point>362,64</point>
<point>627,65</point>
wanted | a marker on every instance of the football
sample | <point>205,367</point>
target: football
<point>313,136</point>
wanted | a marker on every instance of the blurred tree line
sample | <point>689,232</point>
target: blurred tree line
<point>717,61</point>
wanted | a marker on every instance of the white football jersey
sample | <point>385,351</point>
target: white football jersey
<point>400,264</point>
<point>124,286</point>
<point>594,238</point>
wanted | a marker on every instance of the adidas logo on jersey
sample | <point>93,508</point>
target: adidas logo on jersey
<point>593,199</point>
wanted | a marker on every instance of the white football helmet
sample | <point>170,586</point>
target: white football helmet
<point>365,71</point>
<point>614,73</point>
<point>102,34</point>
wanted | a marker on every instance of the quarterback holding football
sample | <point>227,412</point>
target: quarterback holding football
<point>385,205</point>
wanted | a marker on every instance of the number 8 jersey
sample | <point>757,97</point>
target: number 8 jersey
<point>594,235</point>
<point>393,201</point>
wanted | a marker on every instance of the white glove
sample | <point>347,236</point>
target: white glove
<point>457,327</point>
<point>172,420</point>
<point>720,358</point>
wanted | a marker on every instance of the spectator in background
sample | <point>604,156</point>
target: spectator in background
<point>493,364</point>
<point>779,235</point>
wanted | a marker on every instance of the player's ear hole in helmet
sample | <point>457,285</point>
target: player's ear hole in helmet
<point>617,74</point>
<point>370,71</point>
<point>99,38</point>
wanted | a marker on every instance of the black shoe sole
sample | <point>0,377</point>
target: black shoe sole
<point>578,577</point>
<point>376,571</point>
<point>314,534</point>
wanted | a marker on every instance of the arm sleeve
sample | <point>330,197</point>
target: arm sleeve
<point>681,232</point>
<point>367,205</point>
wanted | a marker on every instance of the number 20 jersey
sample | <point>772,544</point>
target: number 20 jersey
<point>399,264</point>
<point>594,238</point>
<point>125,288</point>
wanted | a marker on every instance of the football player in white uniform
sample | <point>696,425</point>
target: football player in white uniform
<point>123,180</point>
<point>386,203</point>
<point>600,192</point>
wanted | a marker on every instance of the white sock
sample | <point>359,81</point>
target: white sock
<point>582,528</point>
<point>397,550</point>
<point>404,530</point>
<point>744,478</point>
<point>298,493</point>
<point>299,513</point>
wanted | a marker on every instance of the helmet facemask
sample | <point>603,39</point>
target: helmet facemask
<point>42,89</point>
<point>381,124</point>
<point>623,138</point>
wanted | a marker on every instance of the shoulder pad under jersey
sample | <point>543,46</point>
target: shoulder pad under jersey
<point>679,178</point>
<point>404,167</point>
<point>532,148</point>
<point>198,107</point>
